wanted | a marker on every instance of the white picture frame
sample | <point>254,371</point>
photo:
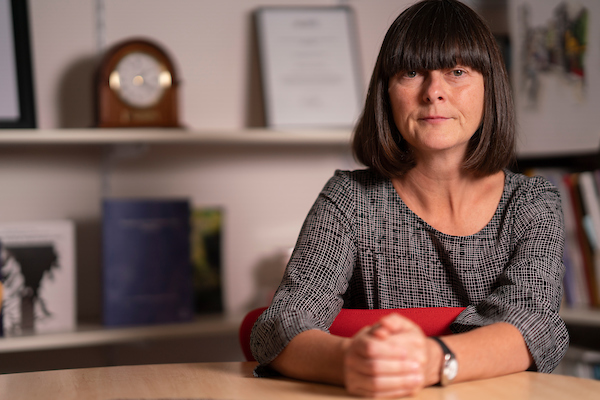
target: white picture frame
<point>309,67</point>
<point>38,270</point>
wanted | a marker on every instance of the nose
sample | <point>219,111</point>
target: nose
<point>433,87</point>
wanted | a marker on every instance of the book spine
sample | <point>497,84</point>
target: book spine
<point>572,182</point>
<point>591,203</point>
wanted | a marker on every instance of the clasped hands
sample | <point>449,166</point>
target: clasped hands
<point>388,359</point>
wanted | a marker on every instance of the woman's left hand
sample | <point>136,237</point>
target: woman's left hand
<point>387,359</point>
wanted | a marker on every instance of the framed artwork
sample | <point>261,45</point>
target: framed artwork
<point>16,84</point>
<point>556,55</point>
<point>309,66</point>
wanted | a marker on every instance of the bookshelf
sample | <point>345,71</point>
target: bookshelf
<point>82,155</point>
<point>206,339</point>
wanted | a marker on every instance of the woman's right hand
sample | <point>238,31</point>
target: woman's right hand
<point>387,359</point>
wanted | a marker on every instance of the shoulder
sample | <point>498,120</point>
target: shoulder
<point>528,188</point>
<point>536,182</point>
<point>356,192</point>
<point>361,177</point>
<point>356,183</point>
<point>532,197</point>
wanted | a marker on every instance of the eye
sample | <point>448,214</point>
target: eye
<point>410,74</point>
<point>458,72</point>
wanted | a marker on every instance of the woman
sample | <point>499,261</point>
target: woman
<point>435,221</point>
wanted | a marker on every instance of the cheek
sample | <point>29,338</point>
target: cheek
<point>400,107</point>
<point>400,117</point>
<point>477,100</point>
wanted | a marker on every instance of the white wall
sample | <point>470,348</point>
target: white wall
<point>209,41</point>
<point>266,191</point>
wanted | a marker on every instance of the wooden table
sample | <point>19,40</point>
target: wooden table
<point>233,381</point>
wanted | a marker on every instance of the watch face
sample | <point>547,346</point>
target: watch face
<point>451,369</point>
<point>140,79</point>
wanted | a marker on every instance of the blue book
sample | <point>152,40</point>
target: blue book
<point>147,272</point>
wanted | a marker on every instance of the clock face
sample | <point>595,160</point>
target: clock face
<point>140,79</point>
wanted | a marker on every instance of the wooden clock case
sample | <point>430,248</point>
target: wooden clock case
<point>112,112</point>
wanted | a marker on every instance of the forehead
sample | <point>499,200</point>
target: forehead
<point>436,35</point>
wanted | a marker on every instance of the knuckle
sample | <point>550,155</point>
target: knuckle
<point>370,349</point>
<point>371,368</point>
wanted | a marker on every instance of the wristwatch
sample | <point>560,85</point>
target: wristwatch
<point>449,366</point>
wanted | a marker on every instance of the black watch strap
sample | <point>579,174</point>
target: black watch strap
<point>449,366</point>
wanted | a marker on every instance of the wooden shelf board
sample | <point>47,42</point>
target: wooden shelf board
<point>174,136</point>
<point>588,316</point>
<point>97,335</point>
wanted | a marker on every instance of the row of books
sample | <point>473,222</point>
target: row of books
<point>582,363</point>
<point>161,264</point>
<point>580,198</point>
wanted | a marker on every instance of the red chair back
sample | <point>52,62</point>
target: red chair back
<point>434,321</point>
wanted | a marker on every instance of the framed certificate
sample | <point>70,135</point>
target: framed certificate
<point>309,66</point>
<point>16,84</point>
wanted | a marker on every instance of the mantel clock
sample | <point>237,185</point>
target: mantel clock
<point>136,87</point>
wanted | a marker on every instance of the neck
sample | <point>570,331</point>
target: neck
<point>432,186</point>
<point>452,201</point>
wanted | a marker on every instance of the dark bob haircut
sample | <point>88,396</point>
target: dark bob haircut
<point>432,35</point>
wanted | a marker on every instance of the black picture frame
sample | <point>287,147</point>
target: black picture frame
<point>23,62</point>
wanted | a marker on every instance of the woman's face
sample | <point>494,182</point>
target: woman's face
<point>437,110</point>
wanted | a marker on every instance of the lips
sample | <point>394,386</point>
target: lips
<point>434,118</point>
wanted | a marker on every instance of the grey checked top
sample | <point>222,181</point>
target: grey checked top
<point>362,247</point>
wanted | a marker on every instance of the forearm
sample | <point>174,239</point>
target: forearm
<point>485,352</point>
<point>313,355</point>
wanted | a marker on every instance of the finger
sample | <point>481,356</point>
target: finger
<point>390,324</point>
<point>380,331</point>
<point>383,367</point>
<point>384,386</point>
<point>396,323</point>
<point>411,342</point>
<point>398,346</point>
<point>369,347</point>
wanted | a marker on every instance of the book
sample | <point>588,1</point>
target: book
<point>575,286</point>
<point>206,259</point>
<point>147,274</point>
<point>38,276</point>
<point>589,194</point>
<point>1,313</point>
<point>571,180</point>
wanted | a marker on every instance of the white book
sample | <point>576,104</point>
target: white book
<point>37,267</point>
